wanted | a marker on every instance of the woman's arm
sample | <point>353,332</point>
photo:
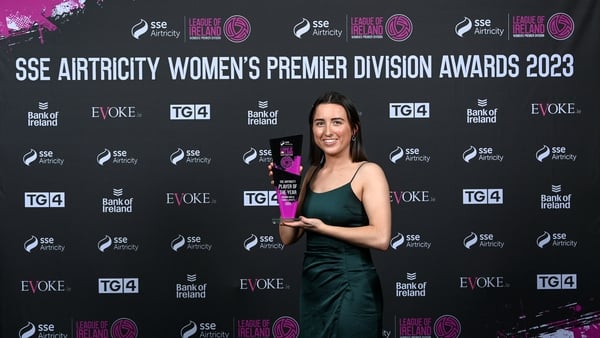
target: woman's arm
<point>371,186</point>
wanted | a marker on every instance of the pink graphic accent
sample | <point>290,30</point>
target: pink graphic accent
<point>124,328</point>
<point>286,327</point>
<point>237,28</point>
<point>21,16</point>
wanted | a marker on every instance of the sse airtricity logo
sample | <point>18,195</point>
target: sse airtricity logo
<point>139,29</point>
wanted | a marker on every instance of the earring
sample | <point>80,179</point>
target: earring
<point>353,138</point>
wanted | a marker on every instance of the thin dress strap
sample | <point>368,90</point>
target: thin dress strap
<point>356,172</point>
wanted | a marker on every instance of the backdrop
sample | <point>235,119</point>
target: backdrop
<point>134,196</point>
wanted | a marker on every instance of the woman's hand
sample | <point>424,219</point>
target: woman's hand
<point>270,169</point>
<point>304,223</point>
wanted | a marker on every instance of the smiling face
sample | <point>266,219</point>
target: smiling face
<point>332,130</point>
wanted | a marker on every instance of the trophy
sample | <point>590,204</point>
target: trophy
<point>286,153</point>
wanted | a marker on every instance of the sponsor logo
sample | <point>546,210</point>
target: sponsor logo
<point>554,153</point>
<point>556,239</point>
<point>557,281</point>
<point>482,114</point>
<point>528,26</point>
<point>412,288</point>
<point>561,26</point>
<point>398,27</point>
<point>488,282</point>
<point>42,118</point>
<point>481,27</point>
<point>366,27</point>
<point>117,204</point>
<point>263,284</point>
<point>116,243</point>
<point>189,156</point>
<point>554,109</point>
<point>447,326</point>
<point>482,241</point>
<point>316,28</point>
<point>265,242</point>
<point>44,200</point>
<point>414,110</point>
<point>114,113</point>
<point>416,327</point>
<point>154,29</point>
<point>202,329</point>
<point>258,155</point>
<point>253,328</point>
<point>556,200</point>
<point>118,285</point>
<point>483,196</point>
<point>237,28</point>
<point>411,196</point>
<point>44,286</point>
<point>43,243</point>
<point>408,154</point>
<point>260,198</point>
<point>263,116</point>
<point>188,199</point>
<point>415,241</point>
<point>41,330</point>
<point>190,242</point>
<point>196,111</point>
<point>91,328</point>
<point>481,154</point>
<point>286,327</point>
<point>206,28</point>
<point>116,157</point>
<point>42,157</point>
<point>124,328</point>
<point>191,289</point>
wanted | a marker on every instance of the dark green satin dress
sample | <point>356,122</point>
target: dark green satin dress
<point>341,292</point>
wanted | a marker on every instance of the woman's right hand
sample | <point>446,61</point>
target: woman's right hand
<point>270,168</point>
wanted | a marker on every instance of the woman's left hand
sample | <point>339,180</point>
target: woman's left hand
<point>304,223</point>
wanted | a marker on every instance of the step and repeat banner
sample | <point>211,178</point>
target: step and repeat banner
<point>134,195</point>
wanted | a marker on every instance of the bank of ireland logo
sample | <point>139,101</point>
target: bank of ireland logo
<point>286,327</point>
<point>560,26</point>
<point>399,27</point>
<point>237,28</point>
<point>301,28</point>
<point>447,326</point>
<point>139,29</point>
<point>124,328</point>
<point>463,27</point>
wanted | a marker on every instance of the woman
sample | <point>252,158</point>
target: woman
<point>345,211</point>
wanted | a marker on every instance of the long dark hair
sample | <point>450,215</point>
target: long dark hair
<point>357,152</point>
